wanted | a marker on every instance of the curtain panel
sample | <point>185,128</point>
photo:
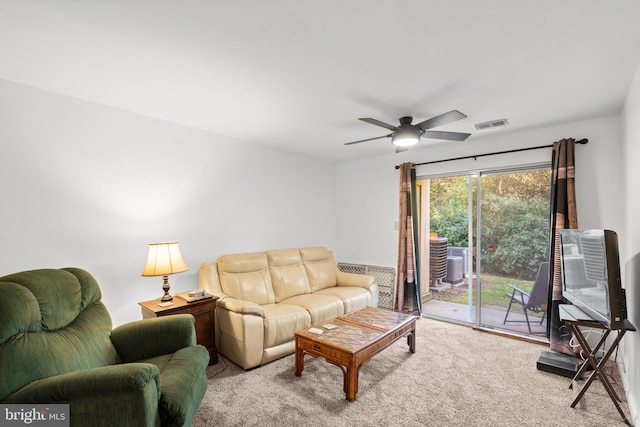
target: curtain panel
<point>407,280</point>
<point>564,215</point>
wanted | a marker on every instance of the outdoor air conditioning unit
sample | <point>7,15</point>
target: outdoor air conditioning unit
<point>461,252</point>
<point>437,260</point>
<point>455,271</point>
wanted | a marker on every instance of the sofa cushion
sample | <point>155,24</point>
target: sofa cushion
<point>288,275</point>
<point>353,298</point>
<point>320,266</point>
<point>281,321</point>
<point>320,307</point>
<point>246,277</point>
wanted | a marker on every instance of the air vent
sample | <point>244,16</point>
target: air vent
<point>492,125</point>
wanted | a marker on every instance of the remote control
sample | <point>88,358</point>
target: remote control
<point>315,331</point>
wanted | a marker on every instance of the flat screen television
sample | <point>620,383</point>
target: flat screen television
<point>591,279</point>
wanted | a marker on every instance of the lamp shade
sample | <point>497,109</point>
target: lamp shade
<point>164,259</point>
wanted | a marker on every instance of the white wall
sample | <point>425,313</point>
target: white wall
<point>631,344</point>
<point>90,186</point>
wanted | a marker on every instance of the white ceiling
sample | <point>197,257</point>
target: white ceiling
<point>297,74</point>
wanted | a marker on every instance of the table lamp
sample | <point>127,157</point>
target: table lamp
<point>164,259</point>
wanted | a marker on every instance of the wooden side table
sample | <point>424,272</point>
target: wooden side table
<point>204,312</point>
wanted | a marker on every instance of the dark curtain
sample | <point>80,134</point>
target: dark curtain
<point>564,215</point>
<point>407,279</point>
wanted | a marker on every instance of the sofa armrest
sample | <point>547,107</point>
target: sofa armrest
<point>147,338</point>
<point>241,306</point>
<point>97,382</point>
<point>353,279</point>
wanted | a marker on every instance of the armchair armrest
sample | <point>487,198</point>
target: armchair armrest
<point>147,338</point>
<point>516,289</point>
<point>353,279</point>
<point>240,306</point>
<point>83,385</point>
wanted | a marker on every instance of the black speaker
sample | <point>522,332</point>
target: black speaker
<point>558,363</point>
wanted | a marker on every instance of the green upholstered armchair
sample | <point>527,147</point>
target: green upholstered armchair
<point>57,346</point>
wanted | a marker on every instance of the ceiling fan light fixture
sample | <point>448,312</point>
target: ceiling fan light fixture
<point>406,134</point>
<point>405,137</point>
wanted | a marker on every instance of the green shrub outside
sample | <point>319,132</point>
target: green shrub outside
<point>515,220</point>
<point>515,236</point>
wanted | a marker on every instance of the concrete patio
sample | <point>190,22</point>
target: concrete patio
<point>491,318</point>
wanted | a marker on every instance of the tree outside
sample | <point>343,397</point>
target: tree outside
<point>515,219</point>
<point>449,213</point>
<point>515,223</point>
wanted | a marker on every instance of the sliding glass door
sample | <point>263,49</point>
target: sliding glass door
<point>488,233</point>
<point>449,246</point>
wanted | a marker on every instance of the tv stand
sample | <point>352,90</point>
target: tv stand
<point>575,318</point>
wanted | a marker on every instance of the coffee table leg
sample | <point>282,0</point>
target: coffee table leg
<point>299,361</point>
<point>351,381</point>
<point>411,341</point>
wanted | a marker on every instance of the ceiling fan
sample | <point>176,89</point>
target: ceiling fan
<point>407,134</point>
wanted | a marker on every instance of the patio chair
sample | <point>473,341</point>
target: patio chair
<point>536,301</point>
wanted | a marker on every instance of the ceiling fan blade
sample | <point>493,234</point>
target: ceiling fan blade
<point>401,149</point>
<point>368,139</point>
<point>440,120</point>
<point>448,136</point>
<point>379,123</point>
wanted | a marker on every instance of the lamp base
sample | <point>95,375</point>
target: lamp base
<point>165,288</point>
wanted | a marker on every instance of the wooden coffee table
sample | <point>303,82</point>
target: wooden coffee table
<point>358,337</point>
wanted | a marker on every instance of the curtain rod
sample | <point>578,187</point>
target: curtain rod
<point>582,141</point>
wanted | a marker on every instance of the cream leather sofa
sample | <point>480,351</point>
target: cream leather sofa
<point>266,297</point>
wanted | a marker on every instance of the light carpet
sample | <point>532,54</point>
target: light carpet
<point>457,377</point>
